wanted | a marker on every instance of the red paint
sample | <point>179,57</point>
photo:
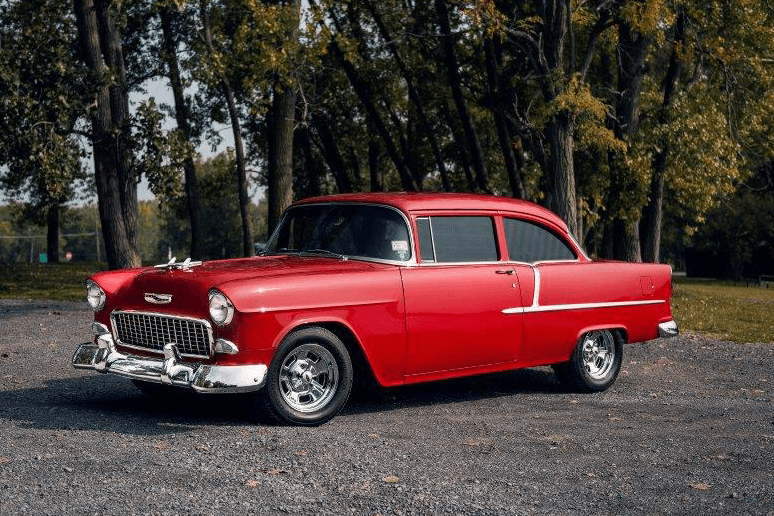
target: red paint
<point>413,322</point>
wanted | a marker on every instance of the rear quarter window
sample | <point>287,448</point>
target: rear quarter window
<point>529,242</point>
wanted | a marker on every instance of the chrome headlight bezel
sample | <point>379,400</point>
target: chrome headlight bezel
<point>221,308</point>
<point>95,296</point>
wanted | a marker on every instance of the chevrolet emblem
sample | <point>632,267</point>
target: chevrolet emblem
<point>158,299</point>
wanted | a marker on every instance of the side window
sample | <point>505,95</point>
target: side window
<point>528,242</point>
<point>462,239</point>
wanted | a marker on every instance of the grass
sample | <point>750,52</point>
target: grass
<point>52,281</point>
<point>721,309</point>
<point>737,313</point>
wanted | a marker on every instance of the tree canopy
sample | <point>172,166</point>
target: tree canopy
<point>622,116</point>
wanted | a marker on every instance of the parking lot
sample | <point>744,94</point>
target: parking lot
<point>688,428</point>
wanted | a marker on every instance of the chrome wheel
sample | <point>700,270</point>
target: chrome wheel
<point>598,354</point>
<point>308,378</point>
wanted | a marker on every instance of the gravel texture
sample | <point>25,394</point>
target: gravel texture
<point>688,428</point>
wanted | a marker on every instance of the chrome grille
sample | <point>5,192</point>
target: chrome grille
<point>152,332</point>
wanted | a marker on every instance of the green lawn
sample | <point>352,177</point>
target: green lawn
<point>58,282</point>
<point>737,313</point>
<point>741,314</point>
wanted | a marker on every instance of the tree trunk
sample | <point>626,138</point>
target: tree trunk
<point>632,52</point>
<point>561,172</point>
<point>498,112</point>
<point>182,115</point>
<point>626,240</point>
<point>112,51</point>
<point>280,171</point>
<point>117,203</point>
<point>374,171</point>
<point>332,154</point>
<point>52,233</point>
<point>455,82</point>
<point>241,166</point>
<point>650,230</point>
<point>311,168</point>
<point>651,214</point>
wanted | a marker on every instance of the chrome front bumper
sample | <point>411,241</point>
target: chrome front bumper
<point>668,329</point>
<point>170,370</point>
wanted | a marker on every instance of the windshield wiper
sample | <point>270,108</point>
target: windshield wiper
<point>307,251</point>
<point>325,252</point>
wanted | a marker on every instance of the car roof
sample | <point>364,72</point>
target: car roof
<point>429,201</point>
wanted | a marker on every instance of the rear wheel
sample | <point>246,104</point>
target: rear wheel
<point>309,380</point>
<point>595,363</point>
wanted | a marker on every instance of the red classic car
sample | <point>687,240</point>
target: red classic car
<point>404,287</point>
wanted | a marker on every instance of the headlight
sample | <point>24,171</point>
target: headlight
<point>95,296</point>
<point>221,309</point>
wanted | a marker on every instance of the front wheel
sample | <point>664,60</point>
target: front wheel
<point>595,363</point>
<point>310,378</point>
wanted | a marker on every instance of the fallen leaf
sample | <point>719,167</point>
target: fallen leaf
<point>203,447</point>
<point>276,471</point>
<point>373,436</point>
<point>614,418</point>
<point>699,486</point>
<point>302,453</point>
<point>252,483</point>
<point>162,446</point>
<point>5,460</point>
<point>390,479</point>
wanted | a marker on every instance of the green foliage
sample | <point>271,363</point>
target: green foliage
<point>221,225</point>
<point>42,95</point>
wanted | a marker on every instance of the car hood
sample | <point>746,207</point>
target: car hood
<point>189,287</point>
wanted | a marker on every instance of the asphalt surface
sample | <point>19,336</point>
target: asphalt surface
<point>688,428</point>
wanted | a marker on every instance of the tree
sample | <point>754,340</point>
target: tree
<point>102,53</point>
<point>173,26</point>
<point>41,91</point>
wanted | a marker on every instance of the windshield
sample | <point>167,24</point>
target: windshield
<point>351,230</point>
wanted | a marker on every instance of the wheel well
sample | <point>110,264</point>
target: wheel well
<point>361,367</point>
<point>621,334</point>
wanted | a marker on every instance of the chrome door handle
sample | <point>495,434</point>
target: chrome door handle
<point>510,272</point>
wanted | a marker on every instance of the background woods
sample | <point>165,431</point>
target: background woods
<point>645,124</point>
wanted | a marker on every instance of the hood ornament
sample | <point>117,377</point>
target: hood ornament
<point>172,264</point>
<point>158,299</point>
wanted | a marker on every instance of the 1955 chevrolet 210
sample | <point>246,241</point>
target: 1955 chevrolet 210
<point>404,287</point>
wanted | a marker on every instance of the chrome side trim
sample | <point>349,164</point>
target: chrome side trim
<point>579,306</point>
<point>204,378</point>
<point>668,329</point>
<point>536,291</point>
<point>536,307</point>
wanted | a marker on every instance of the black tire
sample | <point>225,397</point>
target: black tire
<point>595,363</point>
<point>309,380</point>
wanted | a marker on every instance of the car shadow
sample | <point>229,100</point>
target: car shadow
<point>471,388</point>
<point>113,404</point>
<point>108,403</point>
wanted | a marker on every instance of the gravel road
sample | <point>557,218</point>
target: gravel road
<point>688,428</point>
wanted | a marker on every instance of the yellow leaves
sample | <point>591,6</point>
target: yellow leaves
<point>485,15</point>
<point>648,16</point>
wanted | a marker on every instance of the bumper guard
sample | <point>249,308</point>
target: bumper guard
<point>668,329</point>
<point>104,357</point>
